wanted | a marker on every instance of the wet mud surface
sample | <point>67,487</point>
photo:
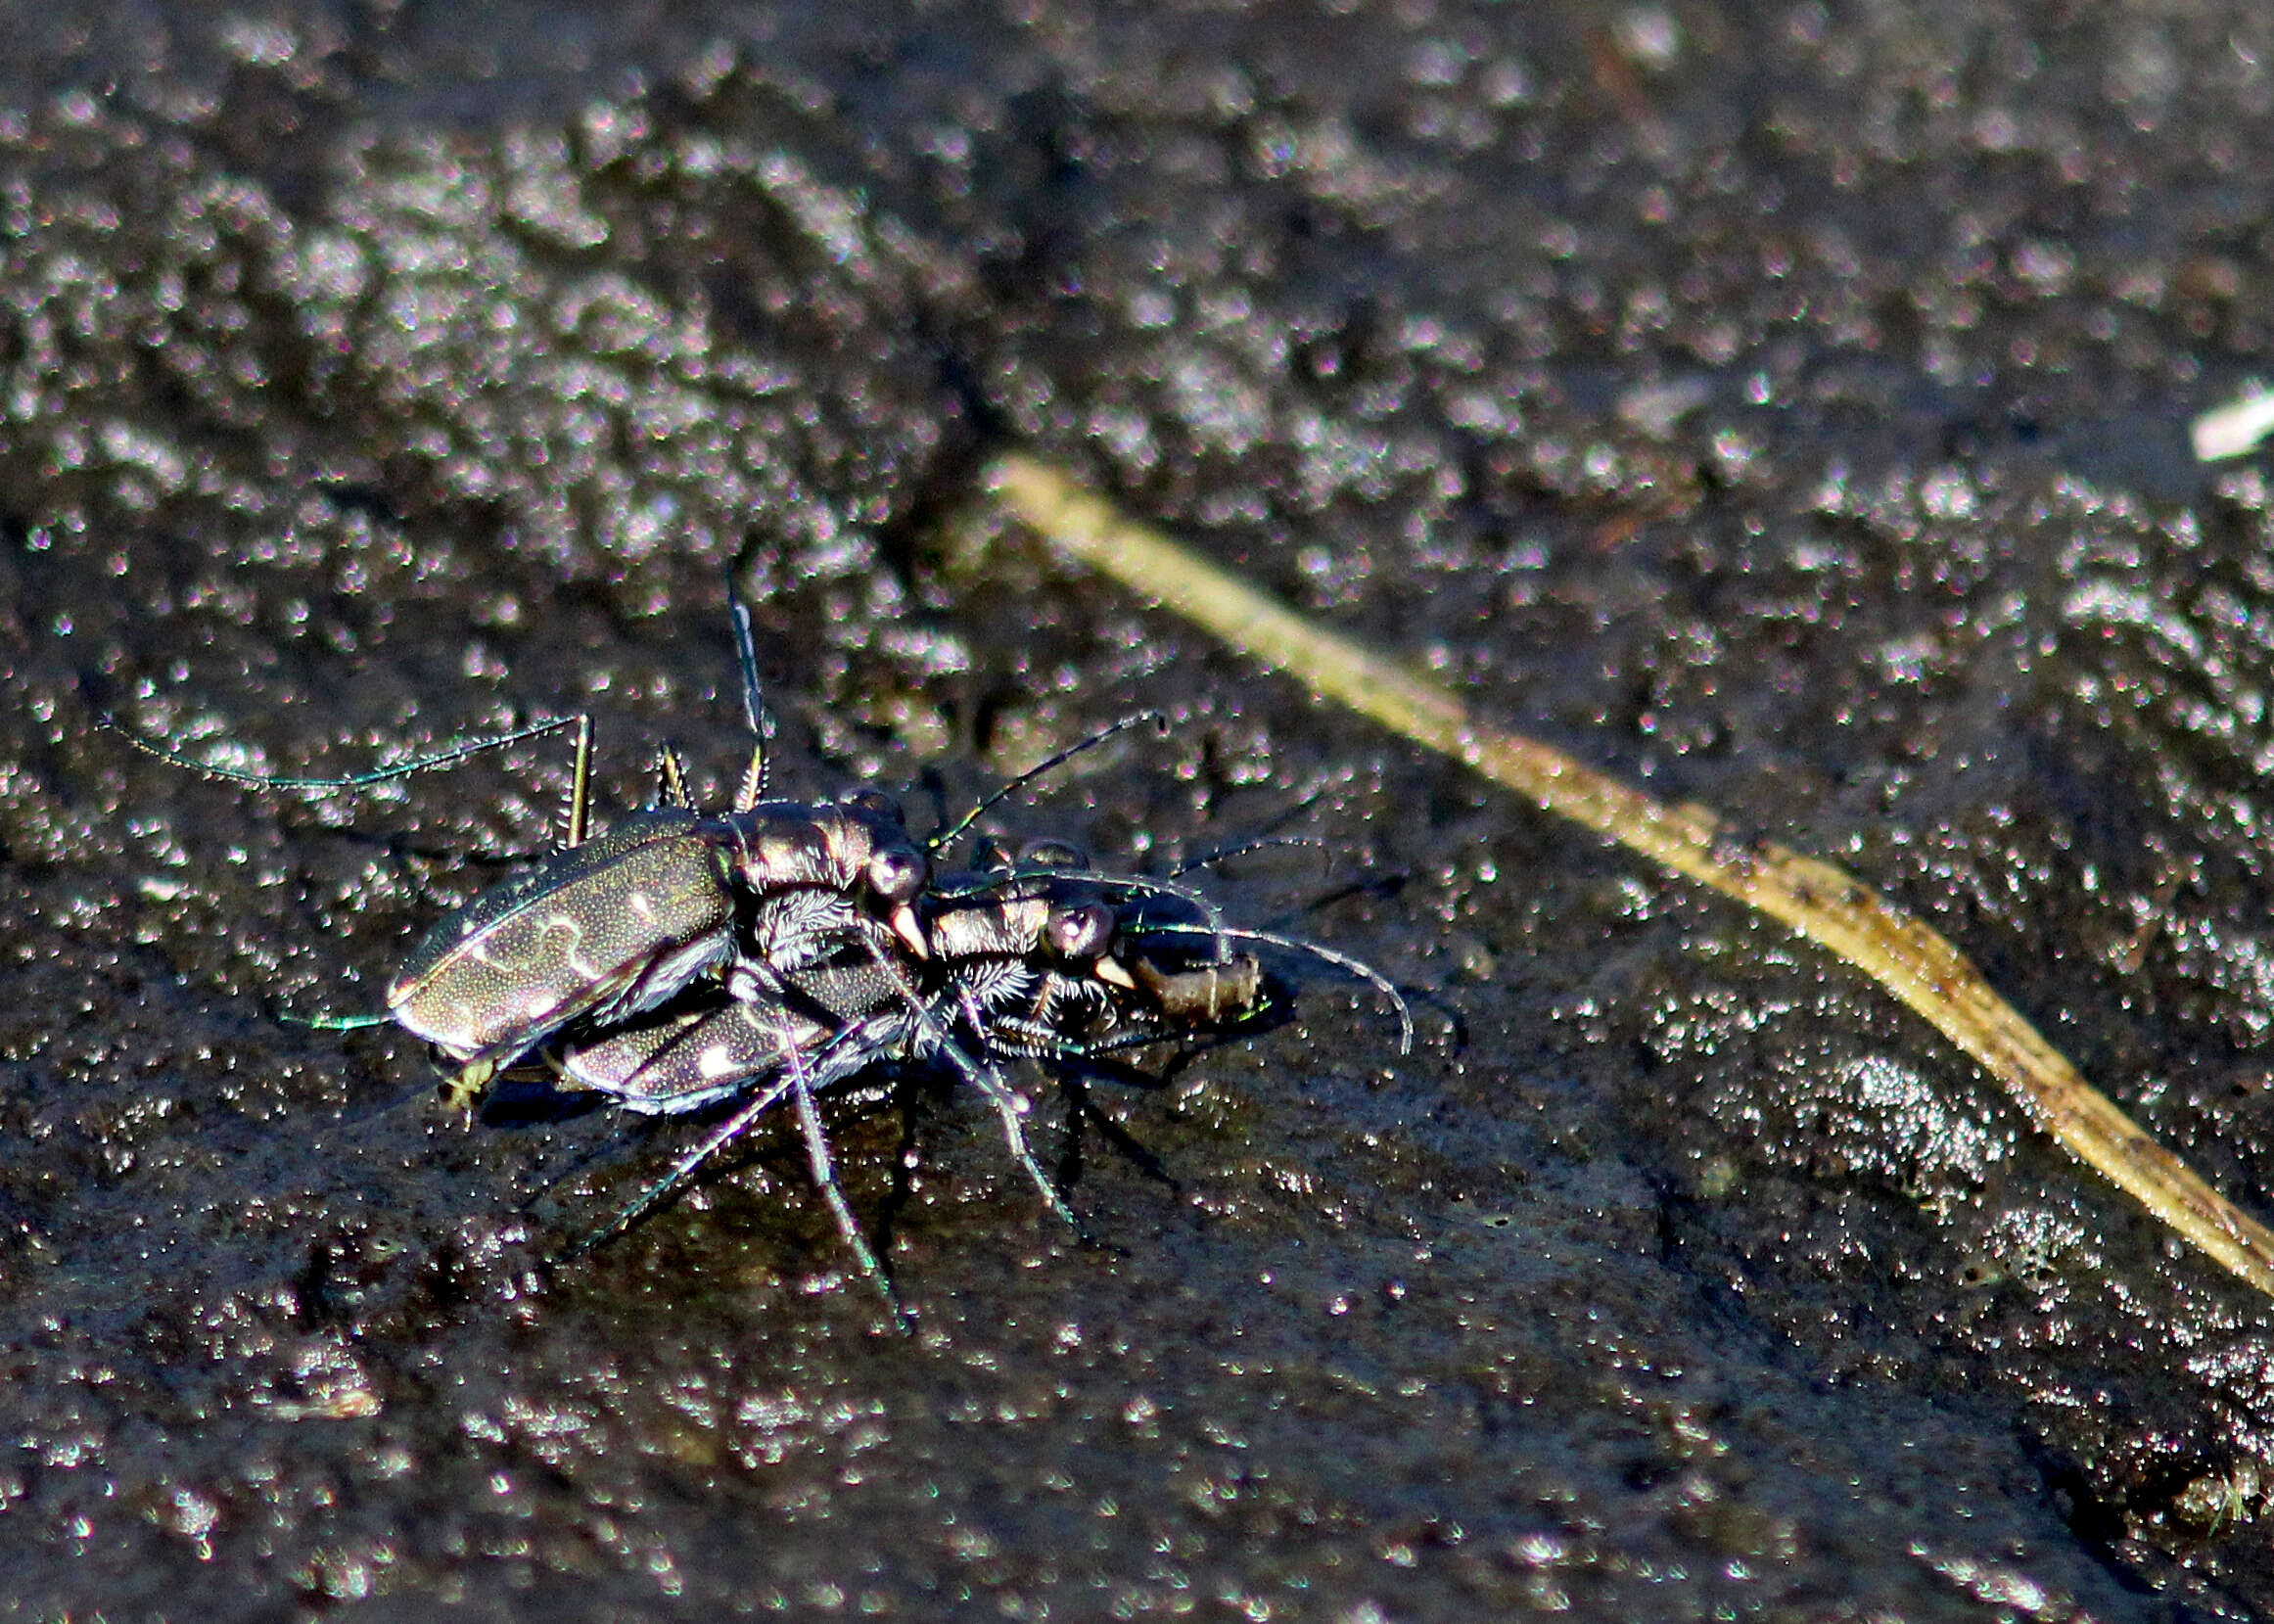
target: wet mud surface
<point>1783,407</point>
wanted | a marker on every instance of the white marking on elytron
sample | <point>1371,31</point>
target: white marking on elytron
<point>718,1061</point>
<point>640,904</point>
<point>565,935</point>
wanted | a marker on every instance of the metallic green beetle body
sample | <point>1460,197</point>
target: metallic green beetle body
<point>614,925</point>
<point>684,1061</point>
<point>622,924</point>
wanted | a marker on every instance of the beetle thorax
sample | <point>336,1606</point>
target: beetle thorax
<point>997,926</point>
<point>776,849</point>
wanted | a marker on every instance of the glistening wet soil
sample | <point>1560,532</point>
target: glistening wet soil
<point>1782,406</point>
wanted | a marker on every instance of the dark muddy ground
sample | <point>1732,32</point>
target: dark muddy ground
<point>1784,406</point>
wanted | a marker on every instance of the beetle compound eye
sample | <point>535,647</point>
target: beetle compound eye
<point>897,874</point>
<point>1053,854</point>
<point>876,803</point>
<point>1082,932</point>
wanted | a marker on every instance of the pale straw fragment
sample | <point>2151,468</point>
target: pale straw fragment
<point>1840,914</point>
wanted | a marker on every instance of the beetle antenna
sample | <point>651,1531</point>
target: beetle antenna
<point>1224,854</point>
<point>954,832</point>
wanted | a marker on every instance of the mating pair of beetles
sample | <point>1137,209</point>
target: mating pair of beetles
<point>685,961</point>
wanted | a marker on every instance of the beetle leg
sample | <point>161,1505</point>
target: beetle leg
<point>579,786</point>
<point>1007,1104</point>
<point>463,1090</point>
<point>682,1170</point>
<point>1030,1040</point>
<point>930,1037</point>
<point>334,1023</point>
<point>671,780</point>
<point>826,1176</point>
<point>754,705</point>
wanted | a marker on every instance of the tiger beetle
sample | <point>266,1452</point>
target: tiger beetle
<point>684,959</point>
